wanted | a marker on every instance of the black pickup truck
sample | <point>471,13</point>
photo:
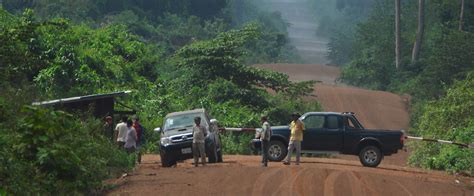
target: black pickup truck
<point>331,132</point>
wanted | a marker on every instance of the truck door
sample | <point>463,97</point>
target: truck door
<point>332,135</point>
<point>312,139</point>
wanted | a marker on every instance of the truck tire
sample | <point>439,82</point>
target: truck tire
<point>276,151</point>
<point>212,153</point>
<point>219,156</point>
<point>370,156</point>
<point>166,161</point>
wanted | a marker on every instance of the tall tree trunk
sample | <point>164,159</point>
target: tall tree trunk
<point>461,15</point>
<point>397,34</point>
<point>419,33</point>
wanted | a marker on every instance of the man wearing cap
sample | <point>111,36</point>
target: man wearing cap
<point>265,139</point>
<point>297,128</point>
<point>108,129</point>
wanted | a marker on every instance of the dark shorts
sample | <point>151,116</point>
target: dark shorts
<point>130,150</point>
<point>120,144</point>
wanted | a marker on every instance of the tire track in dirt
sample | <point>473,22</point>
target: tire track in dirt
<point>287,186</point>
<point>408,192</point>
<point>296,177</point>
<point>242,175</point>
<point>259,188</point>
<point>330,183</point>
<point>356,184</point>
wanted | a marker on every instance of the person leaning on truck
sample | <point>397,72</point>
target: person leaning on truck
<point>265,139</point>
<point>199,135</point>
<point>297,128</point>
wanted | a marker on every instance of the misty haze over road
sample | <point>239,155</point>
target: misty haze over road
<point>302,29</point>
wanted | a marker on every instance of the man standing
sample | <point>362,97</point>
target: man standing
<point>297,128</point>
<point>199,135</point>
<point>108,128</point>
<point>139,129</point>
<point>265,139</point>
<point>121,132</point>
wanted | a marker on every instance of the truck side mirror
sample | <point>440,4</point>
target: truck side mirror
<point>157,130</point>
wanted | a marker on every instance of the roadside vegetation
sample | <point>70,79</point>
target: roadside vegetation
<point>173,55</point>
<point>439,79</point>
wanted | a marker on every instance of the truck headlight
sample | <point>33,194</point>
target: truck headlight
<point>165,141</point>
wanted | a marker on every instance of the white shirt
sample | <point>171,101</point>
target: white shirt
<point>122,131</point>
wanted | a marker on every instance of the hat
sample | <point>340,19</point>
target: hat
<point>108,118</point>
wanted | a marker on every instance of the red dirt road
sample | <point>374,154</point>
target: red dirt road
<point>343,175</point>
<point>242,175</point>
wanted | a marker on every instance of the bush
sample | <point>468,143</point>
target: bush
<point>449,118</point>
<point>46,152</point>
<point>236,143</point>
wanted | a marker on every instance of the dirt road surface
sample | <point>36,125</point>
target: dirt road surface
<point>243,175</point>
<point>342,175</point>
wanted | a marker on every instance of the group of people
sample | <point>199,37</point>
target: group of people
<point>128,134</point>
<point>296,126</point>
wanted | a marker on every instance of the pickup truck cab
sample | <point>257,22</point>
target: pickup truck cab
<point>332,132</point>
<point>176,137</point>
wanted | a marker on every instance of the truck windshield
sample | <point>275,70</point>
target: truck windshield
<point>183,121</point>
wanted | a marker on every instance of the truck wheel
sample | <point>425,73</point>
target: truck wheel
<point>212,153</point>
<point>219,156</point>
<point>276,151</point>
<point>219,152</point>
<point>370,156</point>
<point>166,161</point>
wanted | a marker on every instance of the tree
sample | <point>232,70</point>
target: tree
<point>397,34</point>
<point>419,32</point>
<point>461,15</point>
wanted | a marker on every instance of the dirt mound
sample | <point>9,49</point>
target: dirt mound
<point>242,175</point>
<point>304,72</point>
<point>375,109</point>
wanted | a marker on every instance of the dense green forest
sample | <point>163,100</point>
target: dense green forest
<point>173,55</point>
<point>186,54</point>
<point>440,81</point>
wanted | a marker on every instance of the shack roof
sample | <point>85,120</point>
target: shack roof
<point>82,98</point>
